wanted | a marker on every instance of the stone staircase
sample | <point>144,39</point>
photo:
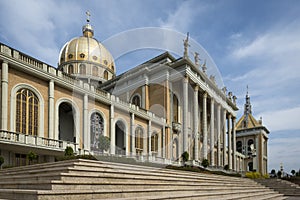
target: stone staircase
<point>88,179</point>
<point>287,188</point>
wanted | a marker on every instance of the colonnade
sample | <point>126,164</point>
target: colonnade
<point>225,129</point>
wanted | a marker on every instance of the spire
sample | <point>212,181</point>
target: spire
<point>87,29</point>
<point>247,108</point>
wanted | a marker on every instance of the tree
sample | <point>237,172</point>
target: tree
<point>226,167</point>
<point>273,171</point>
<point>293,172</point>
<point>185,156</point>
<point>279,173</point>
<point>104,143</point>
<point>69,151</point>
<point>31,156</point>
<point>205,163</point>
<point>1,161</point>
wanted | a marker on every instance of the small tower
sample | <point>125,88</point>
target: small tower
<point>252,140</point>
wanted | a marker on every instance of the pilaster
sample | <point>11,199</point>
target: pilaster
<point>4,95</point>
<point>185,113</point>
<point>51,110</point>
<point>219,135</point>
<point>112,129</point>
<point>229,143</point>
<point>85,123</point>
<point>132,134</point>
<point>196,122</point>
<point>224,138</point>
<point>212,132</point>
<point>204,126</point>
<point>234,143</point>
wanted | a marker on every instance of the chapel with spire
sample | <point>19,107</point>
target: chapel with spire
<point>252,140</point>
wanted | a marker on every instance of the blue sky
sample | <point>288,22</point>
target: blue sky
<point>255,43</point>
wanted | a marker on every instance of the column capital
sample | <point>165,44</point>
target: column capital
<point>186,79</point>
<point>205,95</point>
<point>212,100</point>
<point>196,88</point>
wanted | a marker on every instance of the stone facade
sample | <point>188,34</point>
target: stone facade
<point>154,112</point>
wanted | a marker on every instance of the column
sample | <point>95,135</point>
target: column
<point>219,135</point>
<point>185,113</point>
<point>51,110</point>
<point>204,126</point>
<point>86,139</point>
<point>4,95</point>
<point>229,142</point>
<point>143,101</point>
<point>212,132</point>
<point>112,130</point>
<point>164,146</point>
<point>196,122</point>
<point>149,140</point>
<point>132,134</point>
<point>234,143</point>
<point>224,137</point>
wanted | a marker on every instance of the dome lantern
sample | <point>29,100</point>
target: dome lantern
<point>87,30</point>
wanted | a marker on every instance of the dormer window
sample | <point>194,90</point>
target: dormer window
<point>70,56</point>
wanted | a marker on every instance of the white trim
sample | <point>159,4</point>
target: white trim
<point>13,107</point>
<point>76,118</point>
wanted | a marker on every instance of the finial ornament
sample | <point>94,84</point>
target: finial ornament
<point>197,59</point>
<point>186,45</point>
<point>88,14</point>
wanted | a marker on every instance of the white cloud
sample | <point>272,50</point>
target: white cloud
<point>286,119</point>
<point>285,151</point>
<point>181,18</point>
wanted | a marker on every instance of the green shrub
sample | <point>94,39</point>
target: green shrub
<point>266,176</point>
<point>69,151</point>
<point>104,143</point>
<point>185,156</point>
<point>205,163</point>
<point>226,167</point>
<point>253,175</point>
<point>31,156</point>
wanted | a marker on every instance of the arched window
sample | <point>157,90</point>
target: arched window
<point>105,75</point>
<point>97,127</point>
<point>82,69</point>
<point>27,112</point>
<point>154,142</point>
<point>70,69</point>
<point>139,140</point>
<point>175,109</point>
<point>95,71</point>
<point>250,142</point>
<point>239,146</point>
<point>136,100</point>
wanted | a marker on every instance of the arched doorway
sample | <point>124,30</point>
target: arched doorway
<point>66,122</point>
<point>120,138</point>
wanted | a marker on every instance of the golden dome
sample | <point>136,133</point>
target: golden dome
<point>86,58</point>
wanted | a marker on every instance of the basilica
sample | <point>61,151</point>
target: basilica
<point>154,112</point>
